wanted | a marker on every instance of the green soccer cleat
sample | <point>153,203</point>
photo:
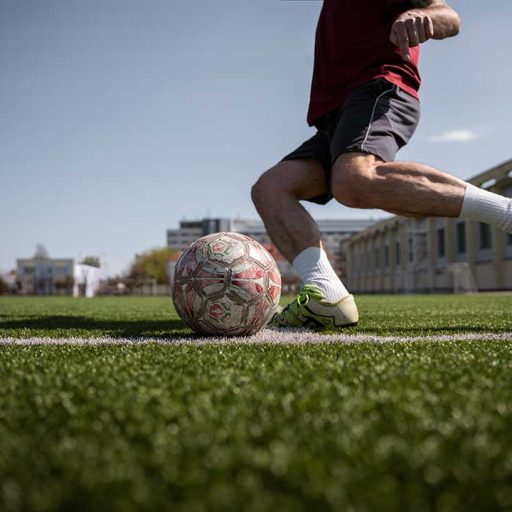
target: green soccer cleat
<point>309,310</point>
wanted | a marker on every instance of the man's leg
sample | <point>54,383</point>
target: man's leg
<point>277,195</point>
<point>361,180</point>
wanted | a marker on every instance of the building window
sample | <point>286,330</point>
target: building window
<point>461,238</point>
<point>441,250</point>
<point>377,258</point>
<point>397,249</point>
<point>485,236</point>
<point>386,256</point>
<point>509,239</point>
<point>411,252</point>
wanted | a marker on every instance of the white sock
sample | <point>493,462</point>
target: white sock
<point>314,267</point>
<point>484,206</point>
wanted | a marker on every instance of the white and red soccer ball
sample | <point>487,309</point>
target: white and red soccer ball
<point>226,284</point>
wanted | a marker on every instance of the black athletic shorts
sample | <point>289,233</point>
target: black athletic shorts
<point>377,118</point>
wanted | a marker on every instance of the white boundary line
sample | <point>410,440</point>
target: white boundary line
<point>277,337</point>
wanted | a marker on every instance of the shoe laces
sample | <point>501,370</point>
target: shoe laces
<point>303,297</point>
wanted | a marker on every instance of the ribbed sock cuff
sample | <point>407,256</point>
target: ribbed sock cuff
<point>484,206</point>
<point>314,267</point>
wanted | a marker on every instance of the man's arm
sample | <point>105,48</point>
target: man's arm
<point>428,19</point>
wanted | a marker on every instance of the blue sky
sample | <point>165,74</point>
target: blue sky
<point>119,119</point>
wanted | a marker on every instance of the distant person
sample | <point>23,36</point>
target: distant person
<point>364,105</point>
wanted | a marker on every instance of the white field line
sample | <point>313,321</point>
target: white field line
<point>277,337</point>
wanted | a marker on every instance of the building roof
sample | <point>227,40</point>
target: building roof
<point>488,179</point>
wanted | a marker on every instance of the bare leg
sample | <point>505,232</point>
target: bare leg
<point>406,214</point>
<point>276,196</point>
<point>410,189</point>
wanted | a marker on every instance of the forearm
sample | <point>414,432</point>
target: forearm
<point>428,19</point>
<point>445,21</point>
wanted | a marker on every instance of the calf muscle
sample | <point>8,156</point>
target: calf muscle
<point>418,189</point>
<point>276,197</point>
<point>411,189</point>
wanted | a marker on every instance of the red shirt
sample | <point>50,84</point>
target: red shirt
<point>352,46</point>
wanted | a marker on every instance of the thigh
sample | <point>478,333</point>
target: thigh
<point>378,118</point>
<point>309,169</point>
<point>349,167</point>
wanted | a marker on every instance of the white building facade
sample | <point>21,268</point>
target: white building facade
<point>42,275</point>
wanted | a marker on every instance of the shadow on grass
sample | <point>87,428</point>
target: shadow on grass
<point>91,326</point>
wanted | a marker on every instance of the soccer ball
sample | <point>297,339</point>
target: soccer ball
<point>226,284</point>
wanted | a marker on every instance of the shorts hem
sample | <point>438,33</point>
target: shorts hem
<point>368,150</point>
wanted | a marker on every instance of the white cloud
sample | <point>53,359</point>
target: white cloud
<point>455,136</point>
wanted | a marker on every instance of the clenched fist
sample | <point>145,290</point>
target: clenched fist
<point>411,29</point>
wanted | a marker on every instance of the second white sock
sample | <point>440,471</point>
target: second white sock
<point>314,267</point>
<point>484,206</point>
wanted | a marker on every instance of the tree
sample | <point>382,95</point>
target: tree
<point>92,261</point>
<point>152,264</point>
<point>4,287</point>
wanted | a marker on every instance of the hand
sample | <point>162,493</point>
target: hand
<point>410,29</point>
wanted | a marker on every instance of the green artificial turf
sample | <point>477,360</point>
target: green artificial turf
<point>24,317</point>
<point>401,426</point>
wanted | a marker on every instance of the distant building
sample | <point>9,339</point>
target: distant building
<point>433,254</point>
<point>333,231</point>
<point>42,275</point>
<point>190,230</point>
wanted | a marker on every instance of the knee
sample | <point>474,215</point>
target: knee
<point>267,189</point>
<point>354,182</point>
